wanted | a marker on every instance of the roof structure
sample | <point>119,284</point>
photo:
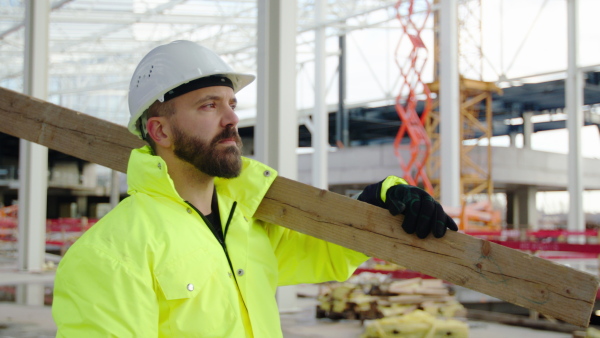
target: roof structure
<point>94,45</point>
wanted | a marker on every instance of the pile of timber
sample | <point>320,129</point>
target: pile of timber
<point>416,324</point>
<point>386,298</point>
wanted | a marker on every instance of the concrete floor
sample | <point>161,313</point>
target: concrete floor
<point>26,321</point>
<point>36,322</point>
<point>303,324</point>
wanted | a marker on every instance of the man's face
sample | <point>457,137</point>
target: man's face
<point>205,132</point>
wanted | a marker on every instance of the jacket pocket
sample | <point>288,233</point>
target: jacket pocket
<point>197,297</point>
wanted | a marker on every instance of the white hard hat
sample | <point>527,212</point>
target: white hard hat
<point>167,67</point>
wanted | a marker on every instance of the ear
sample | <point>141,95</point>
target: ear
<point>159,130</point>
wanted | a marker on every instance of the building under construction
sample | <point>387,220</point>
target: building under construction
<point>462,98</point>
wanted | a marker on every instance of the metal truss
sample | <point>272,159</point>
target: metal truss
<point>96,44</point>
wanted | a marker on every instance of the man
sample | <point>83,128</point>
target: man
<point>182,256</point>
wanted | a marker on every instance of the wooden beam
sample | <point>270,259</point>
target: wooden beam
<point>498,271</point>
<point>68,131</point>
<point>493,269</point>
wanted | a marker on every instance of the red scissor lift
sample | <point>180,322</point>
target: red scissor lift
<point>411,59</point>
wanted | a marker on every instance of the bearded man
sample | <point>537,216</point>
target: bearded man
<point>182,256</point>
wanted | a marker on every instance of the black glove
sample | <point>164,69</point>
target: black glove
<point>422,214</point>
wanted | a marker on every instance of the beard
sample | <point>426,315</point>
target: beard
<point>225,162</point>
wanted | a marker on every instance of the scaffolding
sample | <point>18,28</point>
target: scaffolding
<point>476,118</point>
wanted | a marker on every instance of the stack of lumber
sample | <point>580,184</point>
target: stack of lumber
<point>417,324</point>
<point>430,295</point>
<point>379,299</point>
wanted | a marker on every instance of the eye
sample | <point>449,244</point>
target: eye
<point>233,106</point>
<point>210,105</point>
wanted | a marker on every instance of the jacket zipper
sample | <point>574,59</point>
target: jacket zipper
<point>223,245</point>
<point>211,228</point>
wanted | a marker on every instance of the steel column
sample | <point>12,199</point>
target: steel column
<point>449,105</point>
<point>115,188</point>
<point>574,101</point>
<point>527,129</point>
<point>320,135</point>
<point>342,136</point>
<point>33,158</point>
<point>276,130</point>
<point>276,134</point>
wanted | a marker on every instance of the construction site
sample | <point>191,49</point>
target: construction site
<point>490,106</point>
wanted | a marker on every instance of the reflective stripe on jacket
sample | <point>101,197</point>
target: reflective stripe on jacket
<point>152,267</point>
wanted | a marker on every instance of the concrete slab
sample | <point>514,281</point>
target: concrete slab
<point>36,321</point>
<point>16,277</point>
<point>510,166</point>
<point>26,321</point>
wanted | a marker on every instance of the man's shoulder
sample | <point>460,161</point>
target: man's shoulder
<point>127,221</point>
<point>122,235</point>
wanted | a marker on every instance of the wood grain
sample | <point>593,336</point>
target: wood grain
<point>66,130</point>
<point>508,274</point>
<point>498,271</point>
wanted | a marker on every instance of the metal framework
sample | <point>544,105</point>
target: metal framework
<point>95,44</point>
<point>476,126</point>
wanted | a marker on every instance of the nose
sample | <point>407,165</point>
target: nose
<point>230,118</point>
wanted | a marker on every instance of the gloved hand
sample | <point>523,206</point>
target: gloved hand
<point>422,214</point>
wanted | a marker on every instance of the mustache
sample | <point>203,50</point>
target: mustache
<point>228,133</point>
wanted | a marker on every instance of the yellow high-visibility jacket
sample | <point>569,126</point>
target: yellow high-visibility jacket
<point>153,268</point>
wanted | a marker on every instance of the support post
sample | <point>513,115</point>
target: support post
<point>320,135</point>
<point>527,208</point>
<point>115,188</point>
<point>512,209</point>
<point>33,158</point>
<point>342,115</point>
<point>276,130</point>
<point>82,206</point>
<point>574,101</point>
<point>449,105</point>
<point>512,139</point>
<point>527,129</point>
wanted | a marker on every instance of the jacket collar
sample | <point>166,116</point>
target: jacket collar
<point>148,174</point>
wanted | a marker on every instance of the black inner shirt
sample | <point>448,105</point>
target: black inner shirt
<point>214,221</point>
